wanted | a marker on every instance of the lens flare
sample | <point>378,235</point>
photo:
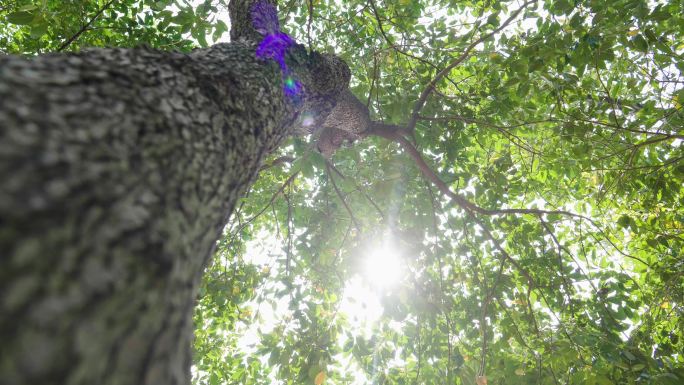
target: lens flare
<point>383,266</point>
<point>275,44</point>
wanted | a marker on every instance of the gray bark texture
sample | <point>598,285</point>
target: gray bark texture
<point>119,169</point>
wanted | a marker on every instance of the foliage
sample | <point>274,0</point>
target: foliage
<point>39,26</point>
<point>574,106</point>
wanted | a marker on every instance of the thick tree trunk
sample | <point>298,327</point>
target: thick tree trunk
<point>119,169</point>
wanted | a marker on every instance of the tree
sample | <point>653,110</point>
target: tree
<point>531,176</point>
<point>121,168</point>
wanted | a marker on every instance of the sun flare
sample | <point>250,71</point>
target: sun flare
<point>382,266</point>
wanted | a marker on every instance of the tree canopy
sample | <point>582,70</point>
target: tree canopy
<point>532,217</point>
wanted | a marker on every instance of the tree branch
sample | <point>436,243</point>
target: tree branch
<point>396,136</point>
<point>339,195</point>
<point>372,202</point>
<point>391,43</point>
<point>277,161</point>
<point>270,202</point>
<point>85,27</point>
<point>460,59</point>
<point>241,23</point>
<point>505,130</point>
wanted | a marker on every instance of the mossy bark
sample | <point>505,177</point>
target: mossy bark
<point>119,169</point>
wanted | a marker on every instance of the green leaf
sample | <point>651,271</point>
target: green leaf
<point>640,43</point>
<point>20,18</point>
<point>220,29</point>
<point>493,20</point>
<point>38,30</point>
<point>624,221</point>
<point>214,379</point>
<point>28,7</point>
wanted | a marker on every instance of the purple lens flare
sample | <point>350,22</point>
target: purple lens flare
<point>265,18</point>
<point>274,44</point>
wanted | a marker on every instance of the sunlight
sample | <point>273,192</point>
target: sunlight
<point>382,267</point>
<point>361,305</point>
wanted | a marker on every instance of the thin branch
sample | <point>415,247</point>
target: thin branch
<point>504,253</point>
<point>85,27</point>
<point>308,23</point>
<point>332,167</point>
<point>375,76</point>
<point>288,259</point>
<point>460,59</point>
<point>607,91</point>
<point>8,6</point>
<point>358,188</point>
<point>277,161</point>
<point>391,43</point>
<point>564,278</point>
<point>396,136</point>
<point>656,140</point>
<point>270,202</point>
<point>561,248</point>
<point>339,194</point>
<point>505,130</point>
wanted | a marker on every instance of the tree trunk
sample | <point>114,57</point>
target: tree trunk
<point>119,169</point>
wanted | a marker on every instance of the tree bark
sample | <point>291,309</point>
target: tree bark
<point>119,169</point>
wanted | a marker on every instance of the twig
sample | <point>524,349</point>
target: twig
<point>85,27</point>
<point>270,202</point>
<point>277,161</point>
<point>466,53</point>
<point>288,259</point>
<point>505,130</point>
<point>308,23</point>
<point>391,43</point>
<point>339,194</point>
<point>8,6</point>
<point>358,188</point>
<point>564,278</point>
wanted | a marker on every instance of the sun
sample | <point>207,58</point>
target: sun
<point>383,266</point>
<point>380,270</point>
